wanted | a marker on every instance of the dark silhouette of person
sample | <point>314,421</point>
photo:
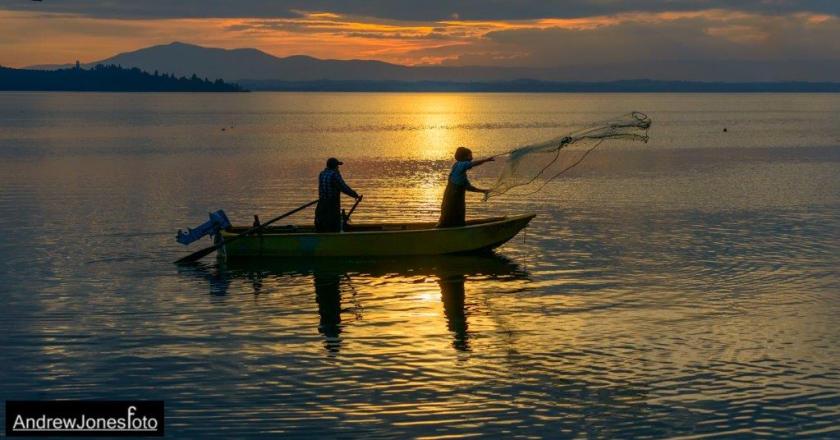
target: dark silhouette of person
<point>453,209</point>
<point>452,294</point>
<point>330,186</point>
<point>328,297</point>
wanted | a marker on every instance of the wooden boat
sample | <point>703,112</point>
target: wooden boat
<point>376,239</point>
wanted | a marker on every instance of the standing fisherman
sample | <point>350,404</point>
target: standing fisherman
<point>453,210</point>
<point>330,186</point>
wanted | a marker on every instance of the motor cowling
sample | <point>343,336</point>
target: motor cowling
<point>218,222</point>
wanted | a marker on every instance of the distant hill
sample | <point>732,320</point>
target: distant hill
<point>624,86</point>
<point>103,78</point>
<point>253,64</point>
<point>257,67</point>
<point>119,79</point>
<point>235,64</point>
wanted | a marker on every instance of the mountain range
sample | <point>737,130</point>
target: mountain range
<point>256,69</point>
<point>183,59</point>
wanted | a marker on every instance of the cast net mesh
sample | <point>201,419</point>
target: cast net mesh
<point>536,165</point>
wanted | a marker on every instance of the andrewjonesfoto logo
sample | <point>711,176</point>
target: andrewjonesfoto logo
<point>85,418</point>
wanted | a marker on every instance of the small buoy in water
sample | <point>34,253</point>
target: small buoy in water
<point>725,130</point>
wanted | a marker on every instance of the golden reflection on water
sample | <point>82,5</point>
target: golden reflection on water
<point>423,298</point>
<point>437,112</point>
<point>690,279</point>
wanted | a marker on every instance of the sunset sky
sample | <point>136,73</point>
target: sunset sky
<point>504,33</point>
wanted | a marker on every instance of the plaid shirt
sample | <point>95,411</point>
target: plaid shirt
<point>330,184</point>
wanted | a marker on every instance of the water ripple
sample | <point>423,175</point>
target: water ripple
<point>683,289</point>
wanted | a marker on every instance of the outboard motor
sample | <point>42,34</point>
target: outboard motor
<point>218,221</point>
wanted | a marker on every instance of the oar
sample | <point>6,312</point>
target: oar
<point>195,256</point>
<point>354,207</point>
<point>345,217</point>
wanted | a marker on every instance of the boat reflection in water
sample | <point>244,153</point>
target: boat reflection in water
<point>333,279</point>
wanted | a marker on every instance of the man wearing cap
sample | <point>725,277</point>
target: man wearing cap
<point>330,187</point>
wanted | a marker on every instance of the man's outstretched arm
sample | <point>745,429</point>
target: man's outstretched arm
<point>344,187</point>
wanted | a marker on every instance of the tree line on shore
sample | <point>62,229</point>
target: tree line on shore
<point>107,78</point>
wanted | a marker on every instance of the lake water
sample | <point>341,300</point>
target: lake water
<point>687,287</point>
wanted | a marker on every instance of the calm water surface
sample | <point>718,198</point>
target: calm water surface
<point>688,287</point>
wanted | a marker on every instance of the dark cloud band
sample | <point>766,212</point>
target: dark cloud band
<point>429,10</point>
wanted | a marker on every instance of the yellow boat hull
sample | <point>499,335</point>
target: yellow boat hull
<point>374,240</point>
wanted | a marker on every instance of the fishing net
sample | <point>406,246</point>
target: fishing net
<point>536,165</point>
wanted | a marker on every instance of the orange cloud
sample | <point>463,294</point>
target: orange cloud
<point>63,38</point>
